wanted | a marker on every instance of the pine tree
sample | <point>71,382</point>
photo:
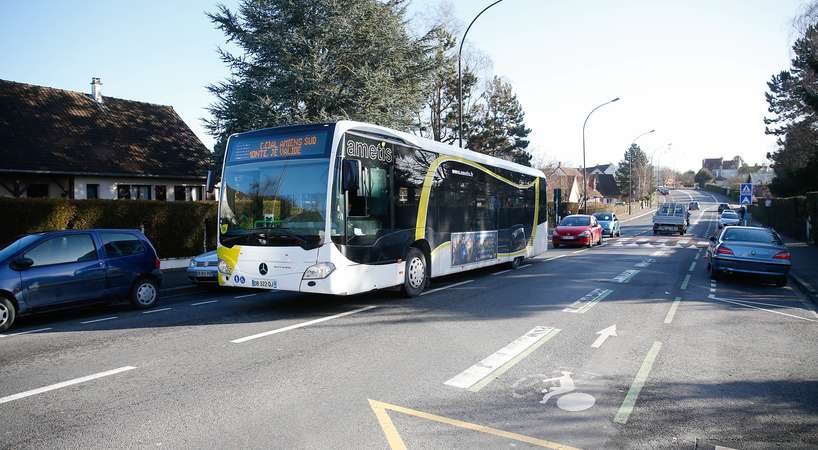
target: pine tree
<point>635,174</point>
<point>793,104</point>
<point>498,127</point>
<point>306,61</point>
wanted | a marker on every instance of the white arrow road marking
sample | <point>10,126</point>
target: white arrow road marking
<point>604,335</point>
<point>479,375</point>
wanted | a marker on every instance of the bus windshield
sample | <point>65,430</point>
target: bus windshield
<point>277,200</point>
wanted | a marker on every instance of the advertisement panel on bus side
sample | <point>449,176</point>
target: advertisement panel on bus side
<point>473,246</point>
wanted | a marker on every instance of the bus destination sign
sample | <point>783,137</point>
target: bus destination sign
<point>283,146</point>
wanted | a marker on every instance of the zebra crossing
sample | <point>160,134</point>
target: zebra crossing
<point>659,242</point>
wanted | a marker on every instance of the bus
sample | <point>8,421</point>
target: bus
<point>348,207</point>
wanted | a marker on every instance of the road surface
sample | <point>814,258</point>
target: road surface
<point>627,345</point>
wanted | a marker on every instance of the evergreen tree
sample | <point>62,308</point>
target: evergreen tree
<point>635,174</point>
<point>793,104</point>
<point>438,118</point>
<point>303,61</point>
<point>703,176</point>
<point>498,127</point>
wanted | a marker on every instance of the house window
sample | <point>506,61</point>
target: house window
<point>160,193</point>
<point>37,190</point>
<point>92,191</point>
<point>187,193</point>
<point>133,191</point>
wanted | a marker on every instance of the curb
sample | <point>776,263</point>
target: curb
<point>806,288</point>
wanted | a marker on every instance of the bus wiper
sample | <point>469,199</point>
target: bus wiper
<point>281,233</point>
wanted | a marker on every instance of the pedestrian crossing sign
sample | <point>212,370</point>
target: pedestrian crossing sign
<point>745,192</point>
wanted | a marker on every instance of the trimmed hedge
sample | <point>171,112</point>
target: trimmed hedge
<point>176,229</point>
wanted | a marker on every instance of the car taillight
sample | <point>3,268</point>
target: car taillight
<point>782,255</point>
<point>724,251</point>
<point>156,263</point>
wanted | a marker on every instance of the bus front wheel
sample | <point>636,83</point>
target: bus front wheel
<point>414,279</point>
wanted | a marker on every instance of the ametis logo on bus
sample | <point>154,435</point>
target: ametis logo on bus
<point>367,149</point>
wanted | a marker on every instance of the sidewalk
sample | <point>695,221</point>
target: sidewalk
<point>804,267</point>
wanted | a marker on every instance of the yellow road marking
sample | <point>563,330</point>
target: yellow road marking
<point>396,443</point>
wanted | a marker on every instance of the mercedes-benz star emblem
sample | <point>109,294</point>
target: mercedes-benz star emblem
<point>262,269</point>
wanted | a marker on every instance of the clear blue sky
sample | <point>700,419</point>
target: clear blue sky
<point>695,71</point>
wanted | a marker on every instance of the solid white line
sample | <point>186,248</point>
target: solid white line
<point>524,266</point>
<point>64,384</point>
<point>735,302</point>
<point>446,287</point>
<point>203,303</point>
<point>672,311</point>
<point>479,375</point>
<point>245,296</point>
<point>100,320</point>
<point>156,310</point>
<point>634,218</point>
<point>555,257</point>
<point>638,383</point>
<point>301,325</point>
<point>25,332</point>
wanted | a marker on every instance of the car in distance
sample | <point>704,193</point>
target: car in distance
<point>48,270</point>
<point>723,207</point>
<point>577,229</point>
<point>749,250</point>
<point>693,206</point>
<point>728,218</point>
<point>204,269</point>
<point>609,223</point>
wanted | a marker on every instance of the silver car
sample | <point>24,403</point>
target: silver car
<point>204,269</point>
<point>729,218</point>
<point>749,250</point>
<point>609,223</point>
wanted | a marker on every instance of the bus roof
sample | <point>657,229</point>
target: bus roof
<point>417,141</point>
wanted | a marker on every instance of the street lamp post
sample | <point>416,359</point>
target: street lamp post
<point>460,76</point>
<point>630,169</point>
<point>584,172</point>
<point>655,162</point>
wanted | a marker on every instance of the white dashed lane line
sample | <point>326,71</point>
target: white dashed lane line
<point>431,291</point>
<point>25,332</point>
<point>63,384</point>
<point>156,310</point>
<point>100,320</point>
<point>300,325</point>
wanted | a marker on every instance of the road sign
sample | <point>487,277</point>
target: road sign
<point>746,194</point>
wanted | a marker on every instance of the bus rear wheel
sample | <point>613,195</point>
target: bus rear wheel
<point>415,274</point>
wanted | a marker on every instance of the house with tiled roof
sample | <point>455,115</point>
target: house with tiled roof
<point>64,144</point>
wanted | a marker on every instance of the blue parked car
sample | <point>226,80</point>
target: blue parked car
<point>48,270</point>
<point>204,269</point>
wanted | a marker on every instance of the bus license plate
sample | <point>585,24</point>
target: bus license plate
<point>271,284</point>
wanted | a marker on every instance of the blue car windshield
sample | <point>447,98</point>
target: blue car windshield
<point>17,245</point>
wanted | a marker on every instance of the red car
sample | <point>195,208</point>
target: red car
<point>577,229</point>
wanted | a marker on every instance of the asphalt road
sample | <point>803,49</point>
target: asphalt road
<point>692,364</point>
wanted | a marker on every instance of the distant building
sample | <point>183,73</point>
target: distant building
<point>723,169</point>
<point>57,143</point>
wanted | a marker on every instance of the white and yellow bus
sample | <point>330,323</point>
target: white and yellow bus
<point>349,207</point>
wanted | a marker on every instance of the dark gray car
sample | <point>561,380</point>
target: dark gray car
<point>749,250</point>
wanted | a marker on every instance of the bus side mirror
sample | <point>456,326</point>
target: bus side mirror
<point>349,175</point>
<point>209,184</point>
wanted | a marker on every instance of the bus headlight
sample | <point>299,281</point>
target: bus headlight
<point>318,271</point>
<point>223,267</point>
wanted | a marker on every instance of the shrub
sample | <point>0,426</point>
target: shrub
<point>175,228</point>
